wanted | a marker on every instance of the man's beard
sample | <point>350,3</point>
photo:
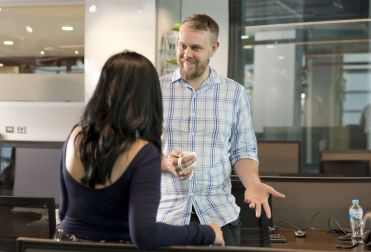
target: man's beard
<point>199,69</point>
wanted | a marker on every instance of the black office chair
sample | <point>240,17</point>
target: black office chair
<point>254,231</point>
<point>345,168</point>
<point>25,216</point>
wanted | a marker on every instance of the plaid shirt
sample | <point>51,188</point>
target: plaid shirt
<point>215,122</point>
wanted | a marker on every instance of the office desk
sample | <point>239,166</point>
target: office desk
<point>314,240</point>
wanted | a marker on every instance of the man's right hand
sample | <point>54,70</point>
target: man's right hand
<point>219,240</point>
<point>169,163</point>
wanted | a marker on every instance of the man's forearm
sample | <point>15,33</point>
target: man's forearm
<point>247,171</point>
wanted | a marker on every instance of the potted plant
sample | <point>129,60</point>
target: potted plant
<point>173,35</point>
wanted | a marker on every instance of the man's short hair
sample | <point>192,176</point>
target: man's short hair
<point>203,22</point>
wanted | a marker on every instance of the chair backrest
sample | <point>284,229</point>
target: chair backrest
<point>254,231</point>
<point>346,168</point>
<point>277,157</point>
<point>25,216</point>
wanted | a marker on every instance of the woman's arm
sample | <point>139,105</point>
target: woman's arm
<point>144,200</point>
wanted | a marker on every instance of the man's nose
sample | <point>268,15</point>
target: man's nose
<point>188,52</point>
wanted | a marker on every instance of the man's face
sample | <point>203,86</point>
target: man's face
<point>194,52</point>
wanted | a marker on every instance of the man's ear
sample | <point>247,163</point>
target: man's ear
<point>214,47</point>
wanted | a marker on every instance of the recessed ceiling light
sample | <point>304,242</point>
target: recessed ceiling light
<point>67,28</point>
<point>245,36</point>
<point>76,52</point>
<point>29,29</point>
<point>8,42</point>
<point>93,8</point>
<point>281,57</point>
<point>1,64</point>
<point>1,9</point>
<point>42,52</point>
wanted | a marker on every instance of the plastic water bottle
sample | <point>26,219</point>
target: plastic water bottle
<point>356,221</point>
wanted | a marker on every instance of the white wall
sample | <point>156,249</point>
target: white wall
<point>218,10</point>
<point>115,26</point>
<point>44,121</point>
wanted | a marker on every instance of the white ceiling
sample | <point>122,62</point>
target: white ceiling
<point>46,22</point>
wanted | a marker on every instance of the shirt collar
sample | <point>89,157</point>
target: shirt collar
<point>211,80</point>
<point>176,76</point>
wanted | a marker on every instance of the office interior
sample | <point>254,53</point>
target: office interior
<point>305,65</point>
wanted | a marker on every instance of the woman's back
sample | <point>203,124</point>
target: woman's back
<point>76,169</point>
<point>102,213</point>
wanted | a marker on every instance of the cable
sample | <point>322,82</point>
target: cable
<point>310,220</point>
<point>339,227</point>
<point>288,223</point>
<point>307,226</point>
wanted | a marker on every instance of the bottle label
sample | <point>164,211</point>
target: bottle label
<point>355,214</point>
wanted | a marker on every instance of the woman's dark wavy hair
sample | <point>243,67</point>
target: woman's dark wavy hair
<point>126,105</point>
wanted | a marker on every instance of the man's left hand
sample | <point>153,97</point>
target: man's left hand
<point>256,196</point>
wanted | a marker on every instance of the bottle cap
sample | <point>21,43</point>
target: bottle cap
<point>355,202</point>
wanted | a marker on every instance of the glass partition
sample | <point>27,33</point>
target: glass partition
<point>42,52</point>
<point>306,67</point>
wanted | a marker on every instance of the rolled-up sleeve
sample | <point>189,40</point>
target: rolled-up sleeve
<point>243,140</point>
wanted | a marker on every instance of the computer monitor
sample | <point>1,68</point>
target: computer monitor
<point>7,169</point>
<point>5,156</point>
<point>23,216</point>
<point>36,173</point>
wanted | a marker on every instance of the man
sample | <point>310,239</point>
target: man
<point>210,115</point>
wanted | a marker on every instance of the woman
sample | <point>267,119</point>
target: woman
<point>110,165</point>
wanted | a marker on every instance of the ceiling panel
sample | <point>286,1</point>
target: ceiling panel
<point>47,34</point>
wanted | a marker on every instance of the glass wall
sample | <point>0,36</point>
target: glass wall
<point>42,52</point>
<point>41,39</point>
<point>306,66</point>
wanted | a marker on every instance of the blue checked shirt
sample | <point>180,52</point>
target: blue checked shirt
<point>215,122</point>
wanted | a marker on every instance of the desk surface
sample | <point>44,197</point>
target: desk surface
<point>314,240</point>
